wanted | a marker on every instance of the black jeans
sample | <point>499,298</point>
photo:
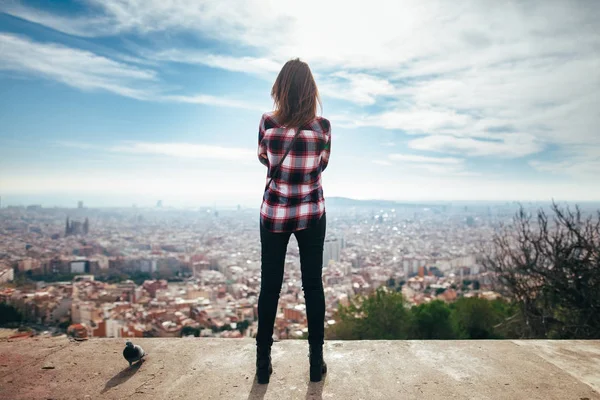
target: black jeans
<point>273,250</point>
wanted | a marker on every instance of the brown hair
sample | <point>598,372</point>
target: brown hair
<point>295,94</point>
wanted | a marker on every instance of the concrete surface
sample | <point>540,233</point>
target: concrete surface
<point>54,368</point>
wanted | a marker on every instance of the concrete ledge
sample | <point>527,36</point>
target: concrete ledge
<point>54,368</point>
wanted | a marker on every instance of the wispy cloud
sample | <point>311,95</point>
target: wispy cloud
<point>169,149</point>
<point>506,146</point>
<point>84,25</point>
<point>360,88</point>
<point>251,65</point>
<point>417,120</point>
<point>88,71</point>
<point>383,162</point>
<point>73,67</point>
<point>424,159</point>
<point>582,162</point>
<point>213,101</point>
<point>185,150</point>
<point>75,145</point>
<point>426,165</point>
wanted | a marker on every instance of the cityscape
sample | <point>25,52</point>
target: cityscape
<point>164,272</point>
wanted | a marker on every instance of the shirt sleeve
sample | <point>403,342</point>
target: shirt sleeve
<point>262,147</point>
<point>327,149</point>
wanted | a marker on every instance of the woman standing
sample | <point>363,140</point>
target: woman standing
<point>294,145</point>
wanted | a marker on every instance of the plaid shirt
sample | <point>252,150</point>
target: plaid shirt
<point>294,200</point>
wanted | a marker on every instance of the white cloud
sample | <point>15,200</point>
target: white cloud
<point>582,162</point>
<point>85,26</point>
<point>213,101</point>
<point>186,150</point>
<point>88,71</point>
<point>77,68</point>
<point>507,145</point>
<point>357,88</point>
<point>424,159</point>
<point>252,65</point>
<point>383,162</point>
<point>419,165</point>
<point>75,145</point>
<point>417,120</point>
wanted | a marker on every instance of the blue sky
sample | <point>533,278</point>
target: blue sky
<point>117,102</point>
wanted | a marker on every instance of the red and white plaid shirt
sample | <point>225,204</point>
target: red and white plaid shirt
<point>294,200</point>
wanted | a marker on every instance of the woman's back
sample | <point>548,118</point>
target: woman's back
<point>294,200</point>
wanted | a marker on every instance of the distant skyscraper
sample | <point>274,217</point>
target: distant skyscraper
<point>77,227</point>
<point>80,204</point>
<point>406,267</point>
<point>331,251</point>
<point>159,204</point>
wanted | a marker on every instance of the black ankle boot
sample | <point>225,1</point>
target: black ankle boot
<point>264,369</point>
<point>317,365</point>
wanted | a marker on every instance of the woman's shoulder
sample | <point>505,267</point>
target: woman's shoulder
<point>268,114</point>
<point>268,120</point>
<point>321,124</point>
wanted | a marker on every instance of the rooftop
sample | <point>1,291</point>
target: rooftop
<point>55,368</point>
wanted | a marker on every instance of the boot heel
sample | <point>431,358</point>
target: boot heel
<point>263,375</point>
<point>317,372</point>
<point>318,367</point>
<point>264,368</point>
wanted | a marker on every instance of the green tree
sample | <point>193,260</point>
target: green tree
<point>432,321</point>
<point>474,318</point>
<point>382,315</point>
<point>9,314</point>
<point>242,326</point>
<point>65,324</point>
<point>509,315</point>
<point>189,330</point>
